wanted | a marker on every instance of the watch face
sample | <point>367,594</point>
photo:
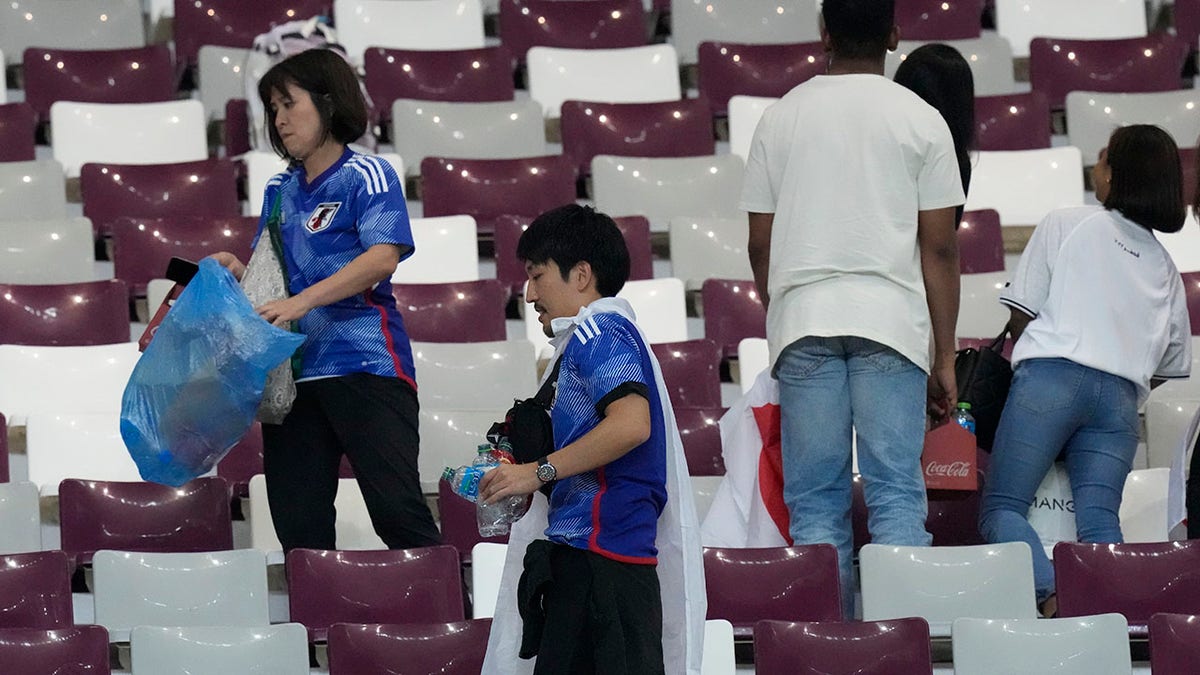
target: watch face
<point>546,472</point>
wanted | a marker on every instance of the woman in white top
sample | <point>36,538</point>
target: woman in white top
<point>1100,317</point>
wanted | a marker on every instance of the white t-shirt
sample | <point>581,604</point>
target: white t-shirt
<point>845,162</point>
<point>1105,294</point>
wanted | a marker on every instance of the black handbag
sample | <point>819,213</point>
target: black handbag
<point>527,426</point>
<point>983,376</point>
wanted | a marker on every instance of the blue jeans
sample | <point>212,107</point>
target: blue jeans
<point>827,387</point>
<point>1057,405</point>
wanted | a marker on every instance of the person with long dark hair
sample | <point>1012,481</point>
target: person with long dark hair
<point>1100,317</point>
<point>940,75</point>
<point>344,227</point>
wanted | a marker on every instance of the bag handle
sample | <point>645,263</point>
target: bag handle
<point>997,345</point>
<point>273,220</point>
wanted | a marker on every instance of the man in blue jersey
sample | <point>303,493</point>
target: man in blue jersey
<point>590,595</point>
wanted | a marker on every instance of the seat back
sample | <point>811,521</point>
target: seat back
<point>49,380</point>
<point>1144,506</point>
<point>222,588</point>
<point>455,648</point>
<point>35,590</point>
<point>474,375</point>
<point>20,516</point>
<point>980,313</point>
<point>980,243</point>
<point>860,647</point>
<point>415,585</point>
<point>1058,66</point>
<point>957,20</point>
<point>204,188</point>
<point>127,133</point>
<point>17,128</point>
<point>944,583</point>
<point>502,130</point>
<point>142,516</point>
<point>486,189</point>
<point>353,525</point>
<point>1184,245</point>
<point>52,251</point>
<point>744,114</point>
<point>753,21</point>
<point>708,248</point>
<point>33,190</point>
<point>137,75</point>
<point>79,649</point>
<point>221,74</point>
<point>753,358</point>
<point>662,129</point>
<point>460,529</point>
<point>1136,580</point>
<point>243,462</point>
<point>1092,117</point>
<point>691,371</point>
<point>728,69</point>
<point>1024,185</point>
<point>102,24</point>
<point>90,313</point>
<point>233,23</point>
<point>575,24</point>
<point>557,75</point>
<point>663,188</point>
<point>1092,645</point>
<point>701,436</point>
<point>1012,121</point>
<point>487,567</point>
<point>419,24</point>
<point>280,649</point>
<point>511,271</point>
<point>76,445</point>
<point>466,311</point>
<point>144,246</point>
<point>449,437</point>
<point>446,252</point>
<point>462,75</point>
<point>1174,643</point>
<point>990,57</point>
<point>1020,21</point>
<point>794,583</point>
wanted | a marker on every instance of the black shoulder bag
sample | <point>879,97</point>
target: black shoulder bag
<point>983,377</point>
<point>526,425</point>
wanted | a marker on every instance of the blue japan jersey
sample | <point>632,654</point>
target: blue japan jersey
<point>612,510</point>
<point>354,205</point>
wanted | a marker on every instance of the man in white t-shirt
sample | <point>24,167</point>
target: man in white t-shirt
<point>851,186</point>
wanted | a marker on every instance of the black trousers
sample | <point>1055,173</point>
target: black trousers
<point>373,421</point>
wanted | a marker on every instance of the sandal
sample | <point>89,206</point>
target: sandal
<point>1048,608</point>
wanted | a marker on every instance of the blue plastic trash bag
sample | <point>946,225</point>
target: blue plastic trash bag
<point>193,394</point>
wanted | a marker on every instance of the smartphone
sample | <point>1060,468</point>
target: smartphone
<point>181,271</point>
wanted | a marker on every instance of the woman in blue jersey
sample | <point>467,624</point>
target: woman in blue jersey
<point>344,226</point>
<point>1100,318</point>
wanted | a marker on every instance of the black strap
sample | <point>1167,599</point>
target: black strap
<point>273,220</point>
<point>997,345</point>
<point>545,395</point>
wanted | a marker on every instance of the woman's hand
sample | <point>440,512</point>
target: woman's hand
<point>279,312</point>
<point>230,262</point>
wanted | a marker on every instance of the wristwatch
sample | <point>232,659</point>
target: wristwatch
<point>546,471</point>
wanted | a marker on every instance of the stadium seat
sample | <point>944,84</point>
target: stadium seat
<point>79,649</point>
<point>137,75</point>
<point>487,569</point>
<point>101,24</point>
<point>667,129</point>
<point>1184,245</point>
<point>417,24</point>
<point>17,128</point>
<point>233,23</point>
<point>980,313</point>
<point>64,380</point>
<point>32,190</point>
<point>64,315</point>
<point>222,76</point>
<point>474,375</point>
<point>578,24</point>
<point>142,247</point>
<point>1025,185</point>
<point>1144,508</point>
<point>732,313</point>
<point>20,517</point>
<point>509,270</point>
<point>261,166</point>
<point>455,648</point>
<point>1012,121</point>
<point>460,528</point>
<point>989,56</point>
<point>143,516</point>
<point>486,189</point>
<point>77,445</point>
<point>662,188</point>
<point>169,191</point>
<point>753,358</point>
<point>465,76</point>
<point>1020,21</point>
<point>1058,66</point>
<point>859,647</point>
<point>691,371</point>
<point>1174,639</point>
<point>980,243</point>
<point>1092,645</point>
<point>35,590</point>
<point>466,311</point>
<point>701,436</point>
<point>243,462</point>
<point>557,75</point>
<point>1092,117</point>
<point>992,581</point>
<point>446,252</point>
<point>794,583</point>
<point>449,438</point>
<point>280,649</point>
<point>728,69</point>
<point>708,248</point>
<point>413,585</point>
<point>504,130</point>
<point>221,588</point>
<point>744,114</point>
<point>937,20</point>
<point>353,525</point>
<point>753,21</point>
<point>127,133</point>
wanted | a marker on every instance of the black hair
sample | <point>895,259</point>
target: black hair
<point>572,234</point>
<point>940,75</point>
<point>859,29</point>
<point>334,89</point>
<point>1147,178</point>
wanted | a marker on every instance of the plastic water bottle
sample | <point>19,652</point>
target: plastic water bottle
<point>492,519</point>
<point>963,416</point>
<point>483,455</point>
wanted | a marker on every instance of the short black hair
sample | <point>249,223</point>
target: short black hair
<point>1147,178</point>
<point>940,75</point>
<point>334,89</point>
<point>572,234</point>
<point>859,29</point>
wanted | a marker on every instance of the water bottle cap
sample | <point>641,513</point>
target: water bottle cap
<point>963,405</point>
<point>447,473</point>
